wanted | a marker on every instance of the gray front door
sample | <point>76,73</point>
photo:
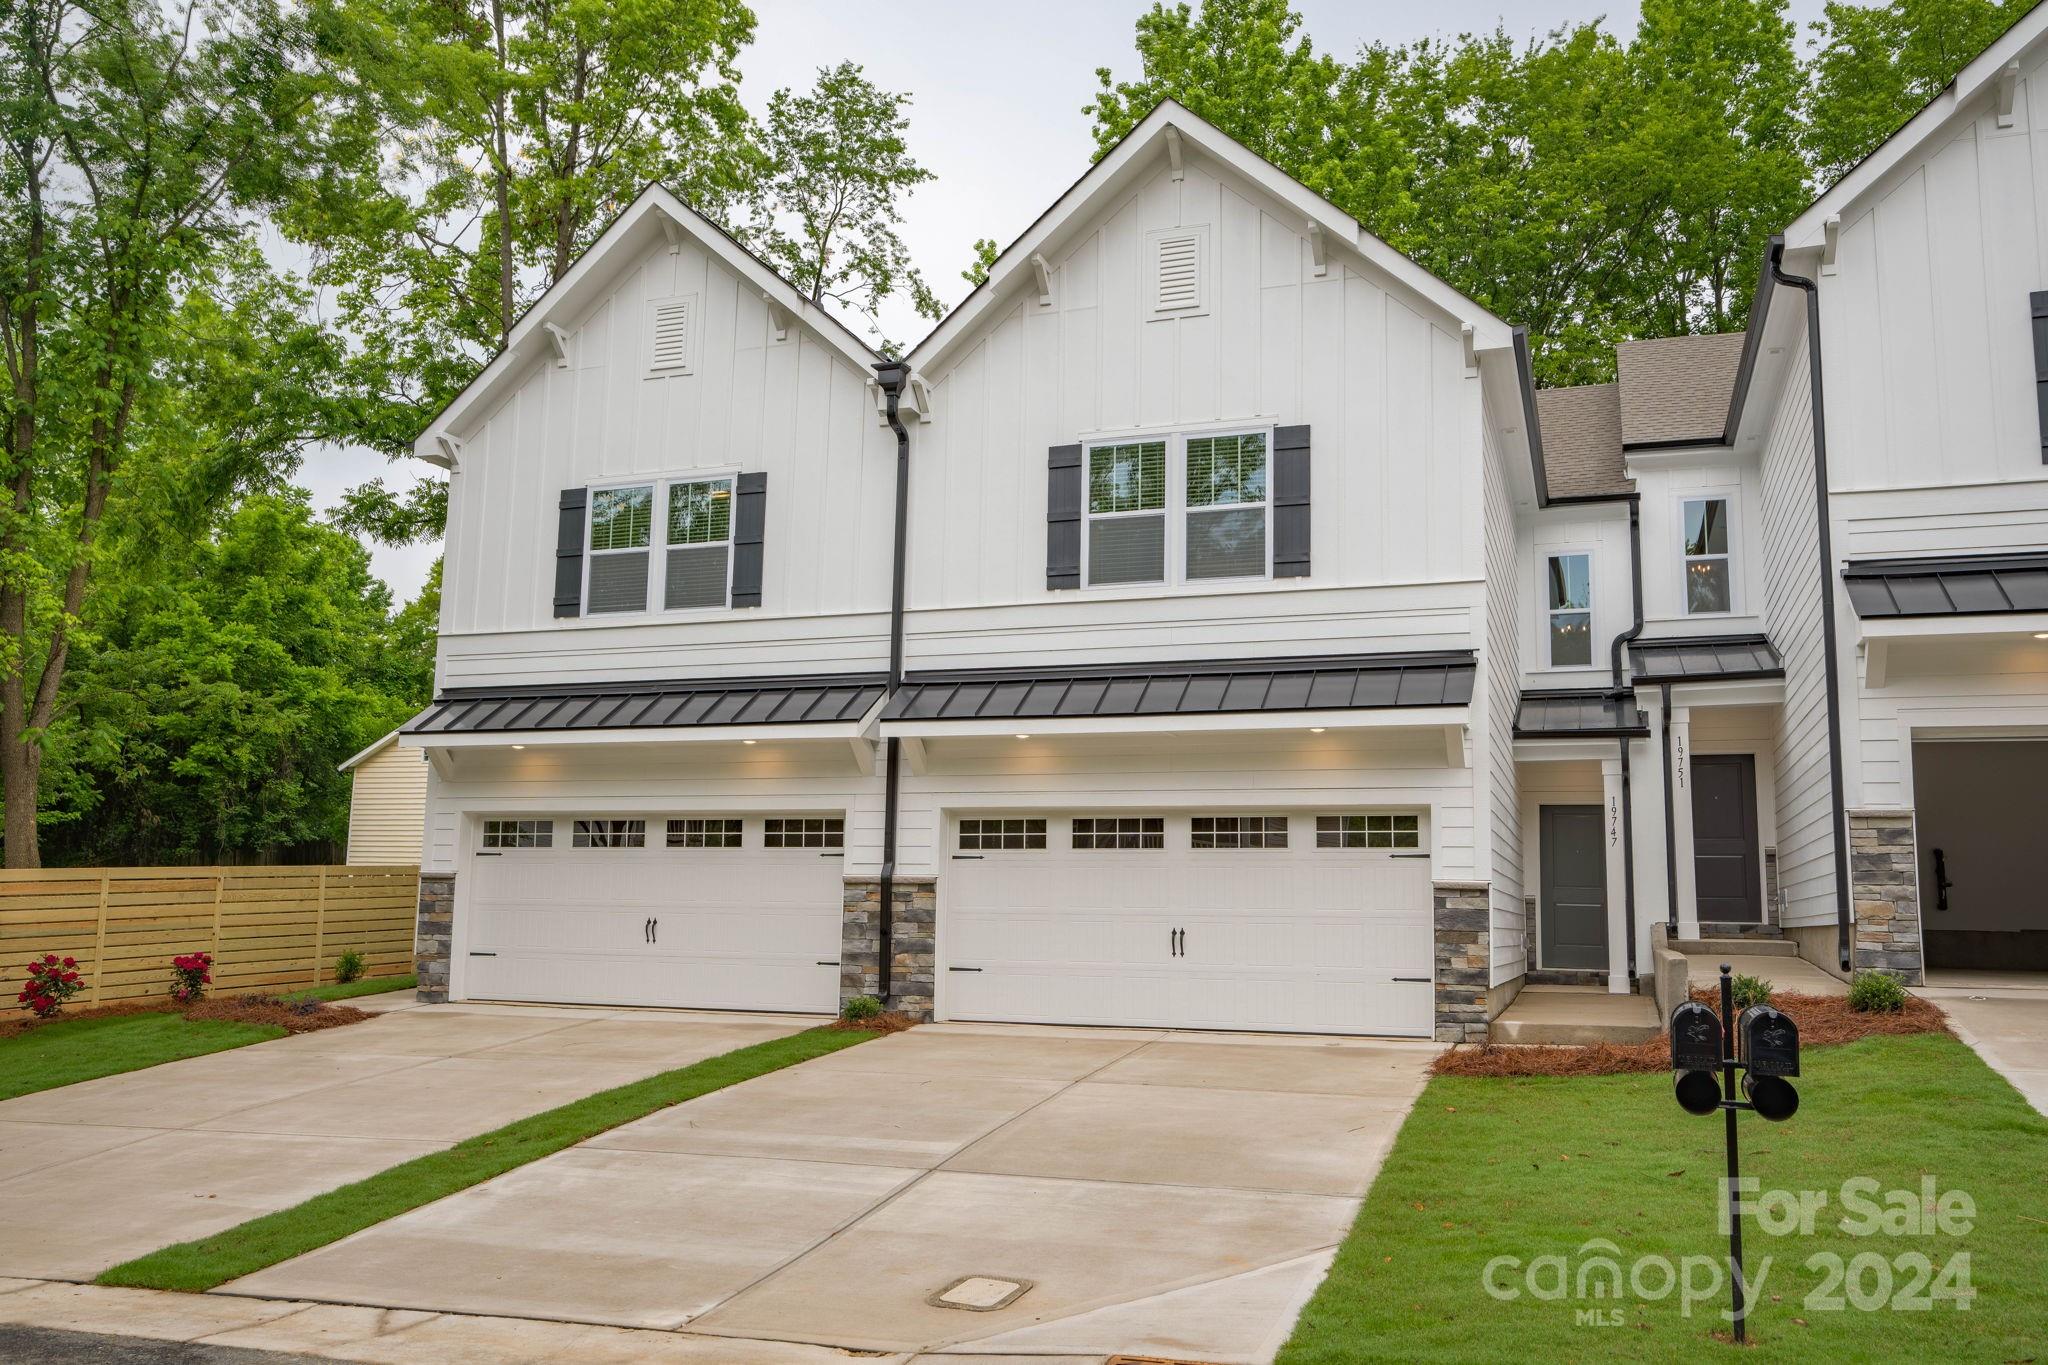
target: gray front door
<point>1574,888</point>
<point>1724,841</point>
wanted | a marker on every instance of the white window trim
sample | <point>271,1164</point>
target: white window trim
<point>1734,521</point>
<point>658,547</point>
<point>1544,613</point>
<point>1177,508</point>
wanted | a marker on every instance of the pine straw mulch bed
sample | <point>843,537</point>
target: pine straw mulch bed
<point>1824,1021</point>
<point>890,1022</point>
<point>293,1016</point>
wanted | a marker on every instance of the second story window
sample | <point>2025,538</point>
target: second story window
<point>695,530</point>
<point>1127,513</point>
<point>1708,586</point>
<point>1227,506</point>
<point>1568,583</point>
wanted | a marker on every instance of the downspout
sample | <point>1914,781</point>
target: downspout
<point>1827,591</point>
<point>1620,694</point>
<point>891,377</point>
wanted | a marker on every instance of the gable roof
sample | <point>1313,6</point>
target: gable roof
<point>1675,390</point>
<point>371,750</point>
<point>1170,130</point>
<point>1582,441</point>
<point>654,214</point>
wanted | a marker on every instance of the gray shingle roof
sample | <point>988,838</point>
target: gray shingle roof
<point>1676,389</point>
<point>1184,689</point>
<point>1956,585</point>
<point>652,705</point>
<point>1582,440</point>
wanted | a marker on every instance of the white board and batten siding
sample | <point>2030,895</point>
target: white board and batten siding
<point>796,409</point>
<point>1376,373</point>
<point>387,807</point>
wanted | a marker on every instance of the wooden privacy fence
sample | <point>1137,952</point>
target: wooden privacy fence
<point>268,928</point>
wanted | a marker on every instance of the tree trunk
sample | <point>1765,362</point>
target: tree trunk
<point>504,179</point>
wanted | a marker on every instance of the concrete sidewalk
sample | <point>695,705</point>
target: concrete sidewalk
<point>1151,1193</point>
<point>178,1151</point>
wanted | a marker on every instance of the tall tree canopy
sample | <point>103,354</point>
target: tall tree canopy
<point>140,140</point>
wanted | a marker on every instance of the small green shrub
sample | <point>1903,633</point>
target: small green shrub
<point>860,1008</point>
<point>1751,990</point>
<point>348,967</point>
<point>1876,993</point>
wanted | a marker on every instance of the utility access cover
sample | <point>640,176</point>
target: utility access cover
<point>979,1293</point>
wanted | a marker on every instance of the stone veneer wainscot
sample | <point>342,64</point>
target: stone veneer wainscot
<point>432,935</point>
<point>913,943</point>
<point>1464,917</point>
<point>1884,876</point>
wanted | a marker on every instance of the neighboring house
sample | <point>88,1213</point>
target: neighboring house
<point>1207,625</point>
<point>387,803</point>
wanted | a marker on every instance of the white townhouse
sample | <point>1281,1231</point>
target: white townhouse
<point>1209,624</point>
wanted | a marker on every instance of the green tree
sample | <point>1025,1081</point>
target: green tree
<point>206,715</point>
<point>1719,87</point>
<point>1878,64</point>
<point>513,132</point>
<point>829,211</point>
<point>985,253</point>
<point>135,141</point>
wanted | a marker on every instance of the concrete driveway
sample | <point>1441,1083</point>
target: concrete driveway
<point>2004,1016</point>
<point>178,1151</point>
<point>1153,1193</point>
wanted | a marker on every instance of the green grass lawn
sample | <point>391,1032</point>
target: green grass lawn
<point>249,1247</point>
<point>1535,1167</point>
<point>72,1050</point>
<point>368,985</point>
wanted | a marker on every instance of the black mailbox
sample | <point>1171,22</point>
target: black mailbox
<point>1770,1042</point>
<point>1696,1042</point>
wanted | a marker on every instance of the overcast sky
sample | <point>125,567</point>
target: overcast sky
<point>997,92</point>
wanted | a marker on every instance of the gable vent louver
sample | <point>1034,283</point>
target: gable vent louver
<point>669,322</point>
<point>1180,273</point>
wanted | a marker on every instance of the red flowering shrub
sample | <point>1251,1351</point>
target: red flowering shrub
<point>50,983</point>
<point>193,973</point>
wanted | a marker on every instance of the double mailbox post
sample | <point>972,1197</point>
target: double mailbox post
<point>1763,1045</point>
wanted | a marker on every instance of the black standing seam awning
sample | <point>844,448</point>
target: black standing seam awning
<point>840,698</point>
<point>1706,658</point>
<point>1579,714</point>
<point>1349,682</point>
<point>1955,585</point>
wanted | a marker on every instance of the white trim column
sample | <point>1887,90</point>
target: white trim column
<point>1681,822</point>
<point>1617,875</point>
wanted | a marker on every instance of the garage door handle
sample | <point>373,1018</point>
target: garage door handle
<point>833,963</point>
<point>963,969</point>
<point>1419,980</point>
<point>474,953</point>
<point>1411,855</point>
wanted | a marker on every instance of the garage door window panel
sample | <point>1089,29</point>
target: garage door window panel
<point>610,834</point>
<point>1008,835</point>
<point>1120,831</point>
<point>1369,831</point>
<point>1238,831</point>
<point>695,832</point>
<point>519,834</point>
<point>807,831</point>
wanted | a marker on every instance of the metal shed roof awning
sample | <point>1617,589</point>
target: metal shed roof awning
<point>832,707</point>
<point>1350,690</point>
<point>1707,658</point>
<point>1579,715</point>
<point>1958,585</point>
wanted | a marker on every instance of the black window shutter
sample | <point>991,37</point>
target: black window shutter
<point>1063,517</point>
<point>1290,502</point>
<point>2039,302</point>
<point>749,528</point>
<point>569,552</point>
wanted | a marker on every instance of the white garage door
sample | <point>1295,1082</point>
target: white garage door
<point>1300,923</point>
<point>695,912</point>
